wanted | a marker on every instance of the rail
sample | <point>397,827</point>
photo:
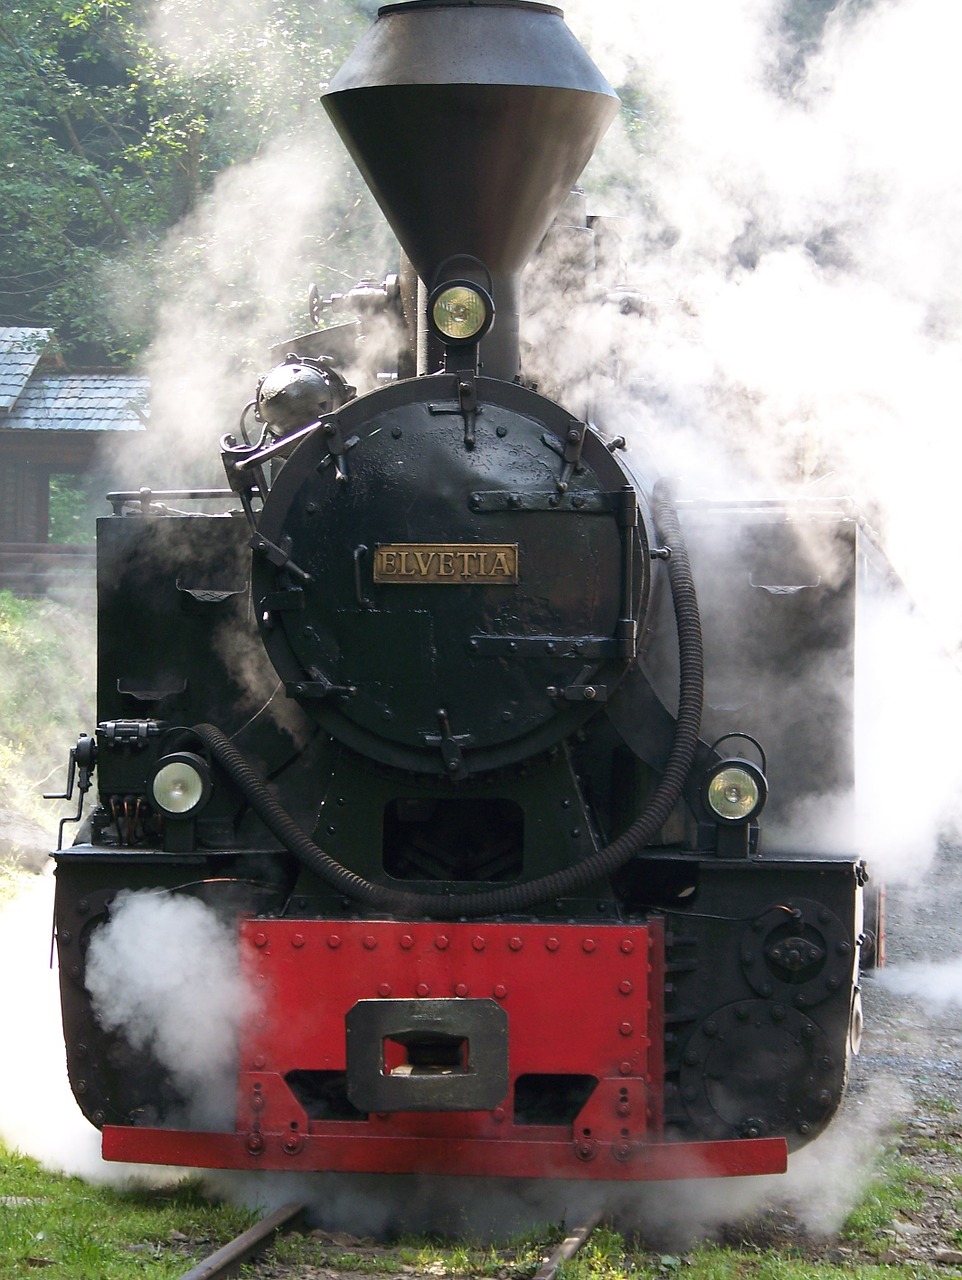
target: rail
<point>47,568</point>
<point>228,1260</point>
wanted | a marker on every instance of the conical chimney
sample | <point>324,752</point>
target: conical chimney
<point>470,121</point>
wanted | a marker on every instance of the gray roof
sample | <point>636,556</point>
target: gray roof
<point>20,353</point>
<point>80,402</point>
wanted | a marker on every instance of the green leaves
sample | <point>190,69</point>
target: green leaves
<point>115,120</point>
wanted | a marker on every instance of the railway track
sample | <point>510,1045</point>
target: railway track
<point>228,1260</point>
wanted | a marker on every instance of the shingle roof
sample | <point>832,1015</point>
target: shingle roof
<point>20,353</point>
<point>80,402</point>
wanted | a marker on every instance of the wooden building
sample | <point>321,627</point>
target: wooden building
<point>53,422</point>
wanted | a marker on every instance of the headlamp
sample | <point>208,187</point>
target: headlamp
<point>180,784</point>
<point>736,791</point>
<point>460,312</point>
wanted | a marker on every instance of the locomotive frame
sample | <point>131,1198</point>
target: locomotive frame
<point>504,909</point>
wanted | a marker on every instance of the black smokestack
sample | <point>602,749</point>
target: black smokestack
<point>471,121</point>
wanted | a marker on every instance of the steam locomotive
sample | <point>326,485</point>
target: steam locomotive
<point>427,716</point>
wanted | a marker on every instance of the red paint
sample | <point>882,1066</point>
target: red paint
<point>581,1000</point>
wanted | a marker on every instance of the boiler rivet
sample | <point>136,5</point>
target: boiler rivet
<point>626,987</point>
<point>627,946</point>
<point>588,945</point>
<point>625,1029</point>
<point>297,940</point>
<point>334,941</point>
<point>423,989</point>
<point>500,991</point>
<point>552,944</point>
<point>461,990</point>
<point>441,942</point>
<point>384,989</point>
<point>478,943</point>
<point>516,943</point>
<point>407,942</point>
<point>259,1061</point>
<point>624,1068</point>
<point>260,939</point>
<point>370,942</point>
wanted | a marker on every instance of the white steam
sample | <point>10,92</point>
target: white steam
<point>165,972</point>
<point>39,1115</point>
<point>789,222</point>
<point>935,984</point>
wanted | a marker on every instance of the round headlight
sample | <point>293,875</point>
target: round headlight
<point>461,311</point>
<point>736,791</point>
<point>180,784</point>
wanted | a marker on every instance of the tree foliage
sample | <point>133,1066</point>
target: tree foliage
<point>115,119</point>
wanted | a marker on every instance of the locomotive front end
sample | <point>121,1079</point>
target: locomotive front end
<point>497,907</point>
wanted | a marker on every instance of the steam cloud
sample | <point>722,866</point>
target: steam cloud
<point>165,972</point>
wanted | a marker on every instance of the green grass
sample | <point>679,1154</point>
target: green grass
<point>46,698</point>
<point>65,1227</point>
<point>899,1189</point>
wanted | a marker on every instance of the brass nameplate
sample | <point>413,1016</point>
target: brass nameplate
<point>457,563</point>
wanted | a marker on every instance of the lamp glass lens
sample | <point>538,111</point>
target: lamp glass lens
<point>177,787</point>
<point>459,312</point>
<point>733,793</point>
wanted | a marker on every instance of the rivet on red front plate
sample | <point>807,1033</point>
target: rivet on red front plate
<point>441,942</point>
<point>260,939</point>
<point>516,943</point>
<point>588,945</point>
<point>370,942</point>
<point>384,989</point>
<point>297,940</point>
<point>407,942</point>
<point>627,946</point>
<point>478,942</point>
<point>500,991</point>
<point>334,941</point>
<point>461,989</point>
<point>625,987</point>
<point>552,944</point>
